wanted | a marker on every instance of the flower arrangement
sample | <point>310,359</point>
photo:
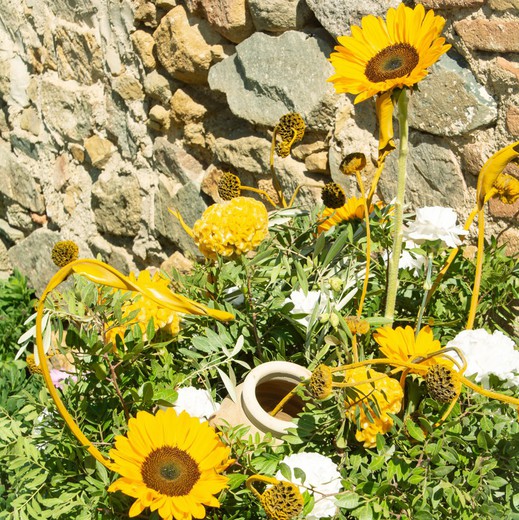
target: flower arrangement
<point>408,399</point>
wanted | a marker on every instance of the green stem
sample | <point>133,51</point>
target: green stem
<point>398,219</point>
<point>427,287</point>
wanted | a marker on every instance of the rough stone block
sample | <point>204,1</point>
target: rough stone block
<point>159,118</point>
<point>117,204</point>
<point>187,46</point>
<point>231,18</point>
<point>79,56</point>
<point>450,100</point>
<point>99,150</point>
<point>32,258</point>
<point>504,5</point>
<point>19,183</point>
<point>494,35</point>
<point>279,15</point>
<point>337,16</point>
<point>512,120</point>
<point>451,4</point>
<point>128,87</point>
<point>185,199</point>
<point>157,87</point>
<point>270,76</point>
<point>144,45</point>
<point>434,177</point>
<point>68,109</point>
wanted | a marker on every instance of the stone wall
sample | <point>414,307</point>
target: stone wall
<point>113,111</point>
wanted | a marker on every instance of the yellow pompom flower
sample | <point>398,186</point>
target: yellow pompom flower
<point>34,368</point>
<point>163,319</point>
<point>231,228</point>
<point>402,345</point>
<point>170,463</point>
<point>379,397</point>
<point>64,252</point>
<point>388,54</point>
<point>321,382</point>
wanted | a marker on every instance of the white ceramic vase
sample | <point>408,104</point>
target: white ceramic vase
<point>262,390</point>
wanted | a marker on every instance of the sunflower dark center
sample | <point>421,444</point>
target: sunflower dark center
<point>170,471</point>
<point>395,61</point>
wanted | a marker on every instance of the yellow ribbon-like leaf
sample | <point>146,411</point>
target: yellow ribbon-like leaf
<point>103,274</point>
<point>492,169</point>
<point>385,108</point>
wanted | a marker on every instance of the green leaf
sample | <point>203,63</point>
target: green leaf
<point>285,471</point>
<point>348,500</point>
<point>414,430</point>
<point>364,513</point>
<point>300,474</point>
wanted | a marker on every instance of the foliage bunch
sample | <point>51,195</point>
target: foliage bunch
<point>463,468</point>
<point>313,286</point>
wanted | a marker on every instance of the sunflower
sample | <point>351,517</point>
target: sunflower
<point>170,463</point>
<point>403,345</point>
<point>351,210</point>
<point>383,55</point>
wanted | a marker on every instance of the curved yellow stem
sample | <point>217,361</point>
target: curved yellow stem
<point>59,277</point>
<point>489,393</point>
<point>380,168</point>
<point>479,269</point>
<point>260,192</point>
<point>354,348</point>
<point>285,399</point>
<point>259,478</point>
<point>368,246</point>
<point>104,274</point>
<point>298,188</point>
<point>99,272</point>
<point>182,222</point>
<point>491,170</point>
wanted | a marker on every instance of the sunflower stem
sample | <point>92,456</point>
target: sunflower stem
<point>398,219</point>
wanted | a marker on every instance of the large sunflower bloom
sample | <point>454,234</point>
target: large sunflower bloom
<point>171,464</point>
<point>403,345</point>
<point>383,55</point>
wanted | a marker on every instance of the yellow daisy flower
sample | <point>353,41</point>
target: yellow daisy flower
<point>170,463</point>
<point>352,209</point>
<point>401,345</point>
<point>383,55</point>
<point>379,397</point>
<point>163,319</point>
